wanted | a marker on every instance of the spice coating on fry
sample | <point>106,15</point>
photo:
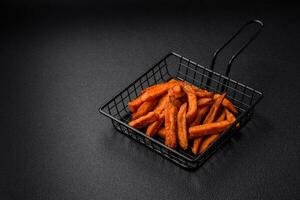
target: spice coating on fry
<point>153,128</point>
<point>181,127</point>
<point>178,111</point>
<point>146,107</point>
<point>209,118</point>
<point>207,142</point>
<point>207,129</point>
<point>170,124</point>
<point>134,104</point>
<point>200,114</point>
<point>227,104</point>
<point>192,103</point>
<point>144,120</point>
<point>214,109</point>
<point>202,102</point>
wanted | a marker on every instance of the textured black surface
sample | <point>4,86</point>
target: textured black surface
<point>61,64</point>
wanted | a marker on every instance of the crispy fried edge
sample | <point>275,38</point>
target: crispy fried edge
<point>170,124</point>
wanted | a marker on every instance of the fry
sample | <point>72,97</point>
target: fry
<point>208,119</point>
<point>162,132</point>
<point>192,102</point>
<point>177,91</point>
<point>227,104</point>
<point>204,102</point>
<point>207,141</point>
<point>170,124</point>
<point>181,127</point>
<point>153,128</point>
<point>134,104</point>
<point>168,84</point>
<point>150,93</point>
<point>196,145</point>
<point>144,120</point>
<point>222,116</point>
<point>146,107</point>
<point>214,109</point>
<point>203,93</point>
<point>207,129</point>
<point>199,141</point>
<point>200,114</point>
<point>231,118</point>
<point>173,94</point>
<point>153,87</point>
<point>161,104</point>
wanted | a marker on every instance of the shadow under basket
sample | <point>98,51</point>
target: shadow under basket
<point>178,67</point>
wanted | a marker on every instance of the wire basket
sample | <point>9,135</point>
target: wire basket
<point>176,66</point>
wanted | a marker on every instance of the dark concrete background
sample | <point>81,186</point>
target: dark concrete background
<point>60,63</point>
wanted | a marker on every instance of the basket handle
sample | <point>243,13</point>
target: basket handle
<point>255,21</point>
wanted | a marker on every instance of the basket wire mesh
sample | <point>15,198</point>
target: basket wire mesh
<point>243,97</point>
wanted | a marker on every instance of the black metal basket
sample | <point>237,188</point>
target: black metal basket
<point>243,97</point>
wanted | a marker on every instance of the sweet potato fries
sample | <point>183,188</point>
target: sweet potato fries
<point>183,115</point>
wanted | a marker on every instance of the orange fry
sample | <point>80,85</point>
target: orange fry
<point>153,128</point>
<point>222,116</point>
<point>210,138</point>
<point>177,91</point>
<point>146,107</point>
<point>230,117</point>
<point>173,94</point>
<point>169,84</point>
<point>199,141</point>
<point>161,104</point>
<point>200,114</point>
<point>144,120</point>
<point>227,104</point>
<point>214,109</point>
<point>134,104</point>
<point>207,129</point>
<point>181,127</point>
<point>153,87</point>
<point>192,101</point>
<point>204,94</point>
<point>196,145</point>
<point>204,102</point>
<point>152,94</point>
<point>170,124</point>
<point>149,94</point>
<point>162,132</point>
<point>207,141</point>
<point>208,119</point>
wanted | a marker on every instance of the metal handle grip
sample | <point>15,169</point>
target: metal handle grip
<point>258,22</point>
